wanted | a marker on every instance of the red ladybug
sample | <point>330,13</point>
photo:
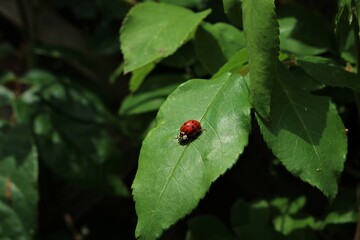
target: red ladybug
<point>189,131</point>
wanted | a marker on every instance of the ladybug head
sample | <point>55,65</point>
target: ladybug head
<point>182,138</point>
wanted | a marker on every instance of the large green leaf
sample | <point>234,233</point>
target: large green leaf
<point>152,31</point>
<point>171,179</point>
<point>262,38</point>
<point>216,43</point>
<point>18,184</point>
<point>327,72</point>
<point>306,134</point>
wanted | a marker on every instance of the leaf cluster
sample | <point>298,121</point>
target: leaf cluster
<point>93,93</point>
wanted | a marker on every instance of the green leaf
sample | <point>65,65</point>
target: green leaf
<point>171,179</point>
<point>235,64</point>
<point>152,31</point>
<point>232,9</point>
<point>151,94</point>
<point>327,72</point>
<point>183,58</point>
<point>286,207</point>
<point>82,153</point>
<point>216,43</point>
<point>346,36</point>
<point>344,208</point>
<point>262,37</point>
<point>304,80</point>
<point>18,184</point>
<point>353,10</point>
<point>287,224</point>
<point>5,96</point>
<point>306,134</point>
<point>208,227</point>
<point>303,32</point>
<point>344,8</point>
<point>116,73</point>
<point>290,43</point>
<point>251,221</point>
<point>136,126</point>
<point>70,133</point>
<point>344,4</point>
<point>290,218</point>
<point>67,97</point>
<point>139,75</point>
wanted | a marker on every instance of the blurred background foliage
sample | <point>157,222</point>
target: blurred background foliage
<point>71,126</point>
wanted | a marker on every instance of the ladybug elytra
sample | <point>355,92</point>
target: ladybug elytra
<point>189,131</point>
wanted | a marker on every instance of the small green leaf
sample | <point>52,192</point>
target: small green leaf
<point>306,134</point>
<point>223,39</point>
<point>139,75</point>
<point>352,9</point>
<point>116,73</point>
<point>235,64</point>
<point>343,209</point>
<point>344,4</point>
<point>262,38</point>
<point>151,94</point>
<point>171,179</point>
<point>152,31</point>
<point>345,38</point>
<point>327,72</point>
